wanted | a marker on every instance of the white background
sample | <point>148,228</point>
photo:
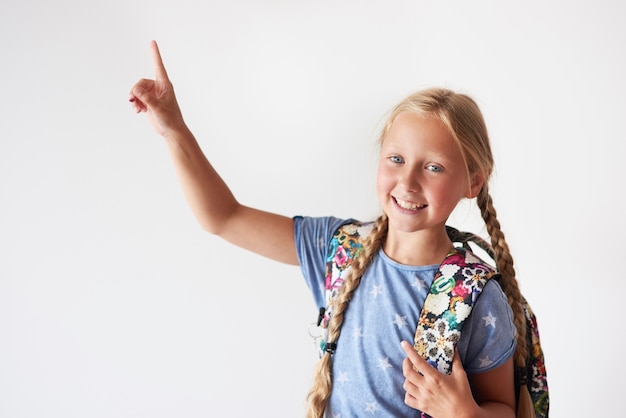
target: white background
<point>114,303</point>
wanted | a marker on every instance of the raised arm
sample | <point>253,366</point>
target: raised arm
<point>210,199</point>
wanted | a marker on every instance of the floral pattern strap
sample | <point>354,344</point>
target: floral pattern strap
<point>458,283</point>
<point>345,245</point>
<point>455,288</point>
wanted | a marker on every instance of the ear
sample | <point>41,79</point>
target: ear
<point>476,183</point>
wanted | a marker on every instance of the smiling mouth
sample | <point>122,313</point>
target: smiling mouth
<point>408,205</point>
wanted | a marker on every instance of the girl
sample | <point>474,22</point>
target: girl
<point>434,152</point>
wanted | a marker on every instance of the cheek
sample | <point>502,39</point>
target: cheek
<point>448,194</point>
<point>383,180</point>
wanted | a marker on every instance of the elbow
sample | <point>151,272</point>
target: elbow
<point>211,228</point>
<point>218,222</point>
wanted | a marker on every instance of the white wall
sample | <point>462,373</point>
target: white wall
<point>113,302</point>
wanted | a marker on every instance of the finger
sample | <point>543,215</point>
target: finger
<point>407,347</point>
<point>410,401</point>
<point>411,378</point>
<point>136,103</point>
<point>457,364</point>
<point>457,358</point>
<point>157,62</point>
<point>139,95</point>
<point>142,85</point>
<point>419,363</point>
<point>407,368</point>
<point>410,386</point>
<point>409,351</point>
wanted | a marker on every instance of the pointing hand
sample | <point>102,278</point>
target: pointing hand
<point>156,98</point>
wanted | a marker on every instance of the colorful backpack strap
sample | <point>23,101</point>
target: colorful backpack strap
<point>455,289</point>
<point>345,245</point>
<point>534,375</point>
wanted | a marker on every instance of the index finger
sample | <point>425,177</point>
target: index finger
<point>419,363</point>
<point>157,62</point>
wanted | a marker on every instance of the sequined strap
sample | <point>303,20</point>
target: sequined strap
<point>455,288</point>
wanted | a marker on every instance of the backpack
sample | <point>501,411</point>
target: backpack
<point>456,287</point>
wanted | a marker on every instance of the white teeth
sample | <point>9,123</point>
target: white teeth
<point>408,205</point>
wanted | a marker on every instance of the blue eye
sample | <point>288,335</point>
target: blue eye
<point>434,168</point>
<point>396,159</point>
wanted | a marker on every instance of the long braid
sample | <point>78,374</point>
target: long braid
<point>320,392</point>
<point>504,263</point>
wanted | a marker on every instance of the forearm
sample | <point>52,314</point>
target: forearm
<point>488,410</point>
<point>209,197</point>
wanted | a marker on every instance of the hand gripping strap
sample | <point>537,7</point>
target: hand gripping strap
<point>455,289</point>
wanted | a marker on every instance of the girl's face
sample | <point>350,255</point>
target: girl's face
<point>421,174</point>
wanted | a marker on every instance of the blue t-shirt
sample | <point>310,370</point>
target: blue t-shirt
<point>384,310</point>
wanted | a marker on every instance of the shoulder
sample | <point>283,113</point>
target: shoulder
<point>493,303</point>
<point>330,223</point>
<point>327,227</point>
<point>313,235</point>
<point>354,230</point>
<point>489,337</point>
<point>467,259</point>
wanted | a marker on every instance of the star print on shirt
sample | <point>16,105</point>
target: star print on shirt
<point>343,377</point>
<point>357,333</point>
<point>485,362</point>
<point>490,320</point>
<point>383,363</point>
<point>419,283</point>
<point>400,321</point>
<point>376,290</point>
<point>371,407</point>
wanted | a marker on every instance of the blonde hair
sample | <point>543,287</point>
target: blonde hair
<point>461,115</point>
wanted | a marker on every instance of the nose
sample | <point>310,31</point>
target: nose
<point>410,179</point>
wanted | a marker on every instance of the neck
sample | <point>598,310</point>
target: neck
<point>420,248</point>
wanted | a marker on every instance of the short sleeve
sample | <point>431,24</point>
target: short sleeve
<point>312,235</point>
<point>488,338</point>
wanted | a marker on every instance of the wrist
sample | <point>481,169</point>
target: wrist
<point>177,134</point>
<point>472,412</point>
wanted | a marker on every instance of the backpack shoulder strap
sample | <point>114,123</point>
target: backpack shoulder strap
<point>530,378</point>
<point>453,293</point>
<point>533,375</point>
<point>345,245</point>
